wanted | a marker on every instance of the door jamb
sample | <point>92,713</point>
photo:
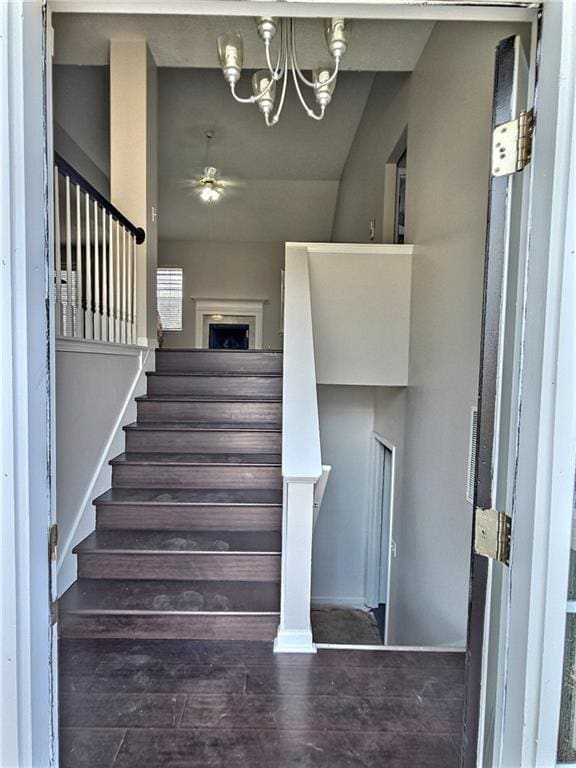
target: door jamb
<point>375,526</point>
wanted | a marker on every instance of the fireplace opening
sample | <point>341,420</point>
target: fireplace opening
<point>228,336</point>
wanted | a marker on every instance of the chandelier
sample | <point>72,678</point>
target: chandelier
<point>265,82</point>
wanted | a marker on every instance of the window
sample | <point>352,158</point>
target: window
<point>169,295</point>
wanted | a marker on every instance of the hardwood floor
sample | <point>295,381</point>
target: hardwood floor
<point>196,704</point>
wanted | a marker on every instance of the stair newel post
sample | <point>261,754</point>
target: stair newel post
<point>295,629</point>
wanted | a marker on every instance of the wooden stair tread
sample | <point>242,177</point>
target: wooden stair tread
<point>199,459</point>
<point>218,374</point>
<point>180,542</point>
<point>201,426</point>
<point>208,399</point>
<point>192,496</point>
<point>197,351</point>
<point>188,597</point>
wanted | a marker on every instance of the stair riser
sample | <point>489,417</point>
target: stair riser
<point>169,627</point>
<point>215,385</point>
<point>220,477</point>
<point>188,518</point>
<point>168,441</point>
<point>219,362</point>
<point>235,412</point>
<point>180,566</point>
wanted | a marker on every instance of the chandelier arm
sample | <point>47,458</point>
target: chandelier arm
<point>272,121</point>
<point>250,99</point>
<point>310,112</point>
<point>302,77</point>
<point>275,72</point>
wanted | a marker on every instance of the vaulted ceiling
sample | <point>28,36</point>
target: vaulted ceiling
<point>287,176</point>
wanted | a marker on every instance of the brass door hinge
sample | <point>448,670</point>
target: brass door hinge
<point>512,144</point>
<point>492,531</point>
<point>53,544</point>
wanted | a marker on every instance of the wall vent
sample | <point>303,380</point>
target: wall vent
<point>472,454</point>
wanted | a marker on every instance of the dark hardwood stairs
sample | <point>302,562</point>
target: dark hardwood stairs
<point>187,542</point>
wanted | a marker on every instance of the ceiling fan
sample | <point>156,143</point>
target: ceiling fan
<point>209,184</point>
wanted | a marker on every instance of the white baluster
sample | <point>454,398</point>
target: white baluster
<point>118,332</point>
<point>112,287</point>
<point>88,312</point>
<point>129,337</point>
<point>68,310</point>
<point>135,292</point>
<point>97,262</point>
<point>105,336</point>
<point>78,310</point>
<point>124,295</point>
<point>57,256</point>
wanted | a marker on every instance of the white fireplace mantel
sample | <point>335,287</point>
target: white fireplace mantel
<point>253,309</point>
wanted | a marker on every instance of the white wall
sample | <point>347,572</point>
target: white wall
<point>361,313</point>
<point>339,547</point>
<point>225,270</point>
<point>94,399</point>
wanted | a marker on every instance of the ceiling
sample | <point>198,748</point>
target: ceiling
<point>289,173</point>
<point>190,41</point>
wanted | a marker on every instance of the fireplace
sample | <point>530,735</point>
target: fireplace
<point>228,335</point>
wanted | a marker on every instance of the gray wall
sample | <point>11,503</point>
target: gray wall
<point>225,270</point>
<point>94,398</point>
<point>446,220</point>
<point>346,415</point>
<point>82,121</point>
<point>361,192</point>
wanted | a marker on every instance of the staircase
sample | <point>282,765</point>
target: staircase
<point>187,541</point>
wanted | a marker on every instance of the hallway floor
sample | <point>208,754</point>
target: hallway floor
<point>193,704</point>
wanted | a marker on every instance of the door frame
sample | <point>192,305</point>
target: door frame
<point>547,350</point>
<point>375,528</point>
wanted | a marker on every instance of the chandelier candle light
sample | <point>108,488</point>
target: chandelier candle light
<point>230,51</point>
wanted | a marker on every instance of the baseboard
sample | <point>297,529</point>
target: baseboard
<point>356,603</point>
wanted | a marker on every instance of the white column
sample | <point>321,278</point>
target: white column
<point>295,630</point>
<point>133,167</point>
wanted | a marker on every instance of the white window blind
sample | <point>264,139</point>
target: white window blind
<point>169,294</point>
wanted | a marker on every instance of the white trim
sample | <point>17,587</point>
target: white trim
<point>355,603</point>
<point>394,648</point>
<point>368,249</point>
<point>294,641</point>
<point>438,10</point>
<point>250,308</point>
<point>85,346</point>
<point>105,456</point>
<point>374,540</point>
